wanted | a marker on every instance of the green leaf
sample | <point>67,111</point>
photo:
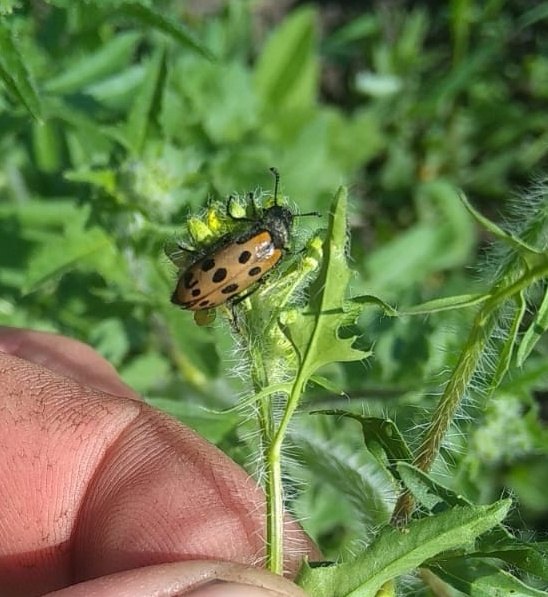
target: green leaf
<point>315,334</point>
<point>146,106</point>
<point>504,356</point>
<point>397,551</point>
<point>531,557</point>
<point>369,299</point>
<point>8,6</point>
<point>110,339</point>
<point>15,74</point>
<point>497,543</point>
<point>524,249</point>
<point>151,17</point>
<point>426,491</point>
<point>446,303</point>
<point>76,246</point>
<point>105,179</point>
<point>482,579</point>
<point>145,372</point>
<point>442,238</point>
<point>110,58</point>
<point>534,331</point>
<point>209,425</point>
<point>358,478</point>
<point>93,138</point>
<point>377,433</point>
<point>533,15</point>
<point>47,146</point>
<point>222,97</point>
<point>327,384</point>
<point>287,69</point>
<point>276,388</point>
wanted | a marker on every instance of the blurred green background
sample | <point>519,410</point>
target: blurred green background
<point>119,119</point>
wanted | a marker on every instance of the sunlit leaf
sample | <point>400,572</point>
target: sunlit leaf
<point>287,68</point>
<point>399,550</point>
<point>316,333</point>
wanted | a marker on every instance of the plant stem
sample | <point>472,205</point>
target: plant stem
<point>274,473</point>
<point>455,389</point>
<point>274,510</point>
<point>266,418</point>
<point>266,422</point>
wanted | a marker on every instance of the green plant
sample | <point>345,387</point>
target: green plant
<point>118,127</point>
<point>449,533</point>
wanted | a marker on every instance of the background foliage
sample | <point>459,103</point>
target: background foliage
<point>118,120</point>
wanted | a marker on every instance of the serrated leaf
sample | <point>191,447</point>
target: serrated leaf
<point>397,551</point>
<point>315,333</point>
<point>15,75</point>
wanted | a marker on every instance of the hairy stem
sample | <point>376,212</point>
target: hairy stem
<point>455,389</point>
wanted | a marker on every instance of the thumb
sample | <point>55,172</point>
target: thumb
<point>199,578</point>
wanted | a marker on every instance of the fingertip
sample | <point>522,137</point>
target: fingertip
<point>65,356</point>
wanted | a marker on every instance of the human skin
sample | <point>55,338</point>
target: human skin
<point>102,495</point>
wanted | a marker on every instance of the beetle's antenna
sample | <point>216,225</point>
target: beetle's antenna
<point>276,183</point>
<point>310,213</point>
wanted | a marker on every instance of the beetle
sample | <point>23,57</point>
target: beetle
<point>235,263</point>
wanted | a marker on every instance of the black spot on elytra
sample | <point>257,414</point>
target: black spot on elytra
<point>203,303</point>
<point>207,264</point>
<point>219,275</point>
<point>244,257</point>
<point>196,292</point>
<point>254,271</point>
<point>189,280</point>
<point>230,289</point>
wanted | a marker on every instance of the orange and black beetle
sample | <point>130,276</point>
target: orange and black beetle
<point>238,260</point>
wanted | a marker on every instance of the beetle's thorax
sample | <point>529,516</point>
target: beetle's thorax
<point>278,220</point>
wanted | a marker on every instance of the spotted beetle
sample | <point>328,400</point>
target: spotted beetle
<point>238,260</point>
